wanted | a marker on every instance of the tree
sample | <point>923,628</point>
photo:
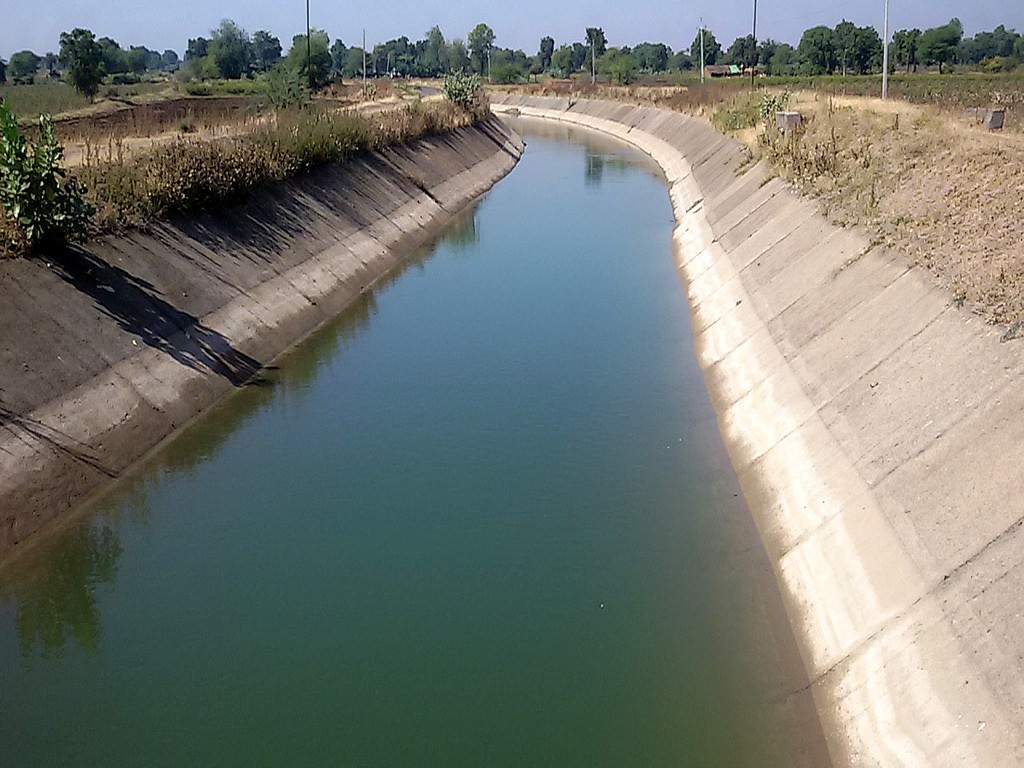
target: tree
<point>434,56</point>
<point>481,41</point>
<point>780,59</point>
<point>712,48</point>
<point>266,50</point>
<point>458,56</point>
<point>845,40</point>
<point>169,59</point>
<point>619,66</point>
<point>867,50</point>
<point>82,58</point>
<point>904,46</point>
<point>817,51</point>
<point>231,50</point>
<point>652,57</point>
<point>597,46</point>
<point>680,61</point>
<point>938,45</point>
<point>197,48</point>
<point>319,57</point>
<point>23,66</point>
<point>137,60</point>
<point>561,60</point>
<point>595,37</point>
<point>547,51</point>
<point>50,62</point>
<point>353,66</point>
<point>339,57</point>
<point>3,70</point>
<point>742,52</point>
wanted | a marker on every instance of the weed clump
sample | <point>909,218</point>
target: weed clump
<point>41,203</point>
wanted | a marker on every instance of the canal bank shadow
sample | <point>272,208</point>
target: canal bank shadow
<point>138,309</point>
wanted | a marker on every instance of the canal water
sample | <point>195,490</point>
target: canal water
<point>485,518</point>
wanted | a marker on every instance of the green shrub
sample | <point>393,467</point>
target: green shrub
<point>465,90</point>
<point>38,198</point>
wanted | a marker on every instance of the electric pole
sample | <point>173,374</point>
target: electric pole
<point>885,54</point>
<point>702,50</point>
<point>364,63</point>
<point>753,55</point>
<point>309,54</point>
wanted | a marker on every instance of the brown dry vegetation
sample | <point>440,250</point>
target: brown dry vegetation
<point>939,189</point>
<point>191,172</point>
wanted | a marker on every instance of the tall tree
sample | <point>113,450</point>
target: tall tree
<point>434,57</point>
<point>82,58</point>
<point>547,50</point>
<point>458,56</point>
<point>266,50</point>
<point>741,52</point>
<point>481,42</point>
<point>904,45</point>
<point>23,66</point>
<point>938,45</point>
<point>115,60</point>
<point>652,57</point>
<point>597,46</point>
<point>817,51</point>
<point>712,48</point>
<point>319,57</point>
<point>231,50</point>
<point>197,48</point>
<point>169,59</point>
<point>844,38</point>
<point>339,57</point>
<point>562,60</point>
<point>137,59</point>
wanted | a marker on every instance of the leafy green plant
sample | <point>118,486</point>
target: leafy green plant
<point>772,103</point>
<point>465,90</point>
<point>37,195</point>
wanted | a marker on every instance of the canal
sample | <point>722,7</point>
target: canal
<point>484,518</point>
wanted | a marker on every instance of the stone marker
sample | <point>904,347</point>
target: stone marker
<point>787,121</point>
<point>993,119</point>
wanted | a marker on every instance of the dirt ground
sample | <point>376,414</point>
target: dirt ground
<point>932,185</point>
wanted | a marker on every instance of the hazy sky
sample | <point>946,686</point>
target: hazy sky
<point>37,24</point>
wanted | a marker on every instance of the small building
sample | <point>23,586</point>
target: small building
<point>722,70</point>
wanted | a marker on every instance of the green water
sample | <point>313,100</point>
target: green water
<point>483,519</point>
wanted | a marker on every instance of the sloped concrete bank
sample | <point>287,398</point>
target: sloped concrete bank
<point>878,435</point>
<point>106,350</point>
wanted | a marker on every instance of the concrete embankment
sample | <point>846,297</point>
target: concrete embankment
<point>877,431</point>
<point>107,349</point>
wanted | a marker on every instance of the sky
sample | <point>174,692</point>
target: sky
<point>166,24</point>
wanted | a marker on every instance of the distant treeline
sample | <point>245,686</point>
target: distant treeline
<point>230,52</point>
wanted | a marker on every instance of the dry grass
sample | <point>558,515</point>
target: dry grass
<point>931,185</point>
<point>192,173</point>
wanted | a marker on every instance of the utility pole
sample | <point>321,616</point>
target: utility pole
<point>309,54</point>
<point>488,63</point>
<point>364,63</point>
<point>593,60</point>
<point>753,55</point>
<point>885,54</point>
<point>702,50</point>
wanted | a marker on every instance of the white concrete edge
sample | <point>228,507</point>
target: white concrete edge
<point>854,597</point>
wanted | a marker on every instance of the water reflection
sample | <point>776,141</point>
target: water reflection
<point>598,162</point>
<point>56,593</point>
<point>54,584</point>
